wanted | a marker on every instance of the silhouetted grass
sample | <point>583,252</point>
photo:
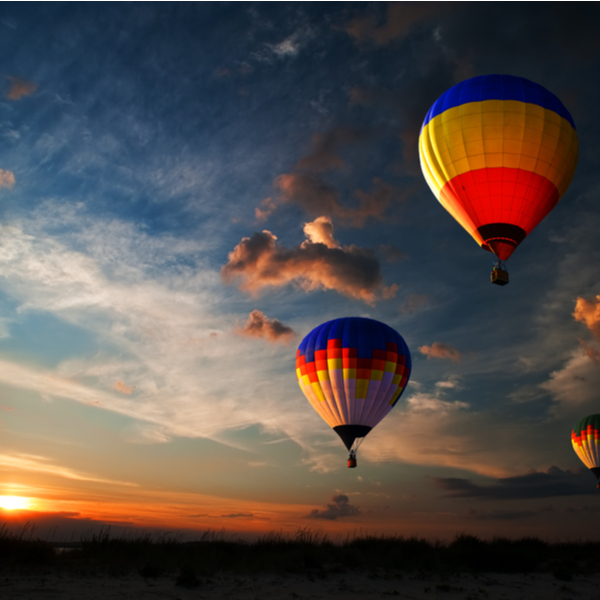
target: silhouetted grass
<point>309,551</point>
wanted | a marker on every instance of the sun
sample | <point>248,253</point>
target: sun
<point>14,502</point>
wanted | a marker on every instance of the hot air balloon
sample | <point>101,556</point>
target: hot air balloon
<point>353,371</point>
<point>585,438</point>
<point>498,152</point>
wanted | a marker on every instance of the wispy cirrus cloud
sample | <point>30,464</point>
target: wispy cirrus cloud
<point>42,464</point>
<point>260,262</point>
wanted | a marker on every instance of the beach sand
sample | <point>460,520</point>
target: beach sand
<point>363,586</point>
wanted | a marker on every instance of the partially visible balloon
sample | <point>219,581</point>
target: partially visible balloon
<point>498,152</point>
<point>353,371</point>
<point>585,438</point>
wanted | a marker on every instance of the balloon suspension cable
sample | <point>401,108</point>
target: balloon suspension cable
<point>352,455</point>
<point>499,264</point>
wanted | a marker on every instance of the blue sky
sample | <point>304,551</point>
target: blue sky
<point>147,149</point>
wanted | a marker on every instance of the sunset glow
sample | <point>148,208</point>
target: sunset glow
<point>14,502</point>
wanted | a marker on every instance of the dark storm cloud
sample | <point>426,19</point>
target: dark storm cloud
<point>341,507</point>
<point>259,325</point>
<point>555,482</point>
<point>506,515</point>
<point>259,262</point>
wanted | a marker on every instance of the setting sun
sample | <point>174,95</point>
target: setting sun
<point>13,502</point>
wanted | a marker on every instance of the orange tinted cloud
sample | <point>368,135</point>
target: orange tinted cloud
<point>413,303</point>
<point>324,156</point>
<point>7,179</point>
<point>320,231</point>
<point>124,389</point>
<point>259,262</point>
<point>400,19</point>
<point>591,352</point>
<point>259,325</point>
<point>588,312</point>
<point>19,88</point>
<point>319,198</point>
<point>438,350</point>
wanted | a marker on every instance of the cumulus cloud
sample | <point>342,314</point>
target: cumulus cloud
<point>259,325</point>
<point>320,231</point>
<point>259,262</point>
<point>439,350</point>
<point>19,88</point>
<point>341,507</point>
<point>588,312</point>
<point>7,179</point>
<point>554,482</point>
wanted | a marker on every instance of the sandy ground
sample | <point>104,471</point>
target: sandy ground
<point>270,586</point>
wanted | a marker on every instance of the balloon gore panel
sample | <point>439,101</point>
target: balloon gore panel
<point>585,438</point>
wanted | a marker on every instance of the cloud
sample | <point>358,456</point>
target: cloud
<point>317,197</point>
<point>591,352</point>
<point>506,515</point>
<point>588,312</point>
<point>19,88</point>
<point>124,389</point>
<point>438,350</point>
<point>341,507</point>
<point>7,179</point>
<point>259,325</point>
<point>325,156</point>
<point>554,482</point>
<point>259,262</point>
<point>413,303</point>
<point>320,231</point>
<point>41,464</point>
<point>422,402</point>
<point>400,19</point>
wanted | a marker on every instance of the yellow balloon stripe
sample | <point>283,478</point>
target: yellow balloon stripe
<point>498,133</point>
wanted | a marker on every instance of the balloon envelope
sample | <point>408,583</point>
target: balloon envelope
<point>498,152</point>
<point>353,371</point>
<point>585,438</point>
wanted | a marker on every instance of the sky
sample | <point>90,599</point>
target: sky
<point>188,189</point>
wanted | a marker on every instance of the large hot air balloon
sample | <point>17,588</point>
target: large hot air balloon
<point>585,438</point>
<point>498,152</point>
<point>353,370</point>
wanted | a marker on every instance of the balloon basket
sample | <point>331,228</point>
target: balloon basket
<point>499,276</point>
